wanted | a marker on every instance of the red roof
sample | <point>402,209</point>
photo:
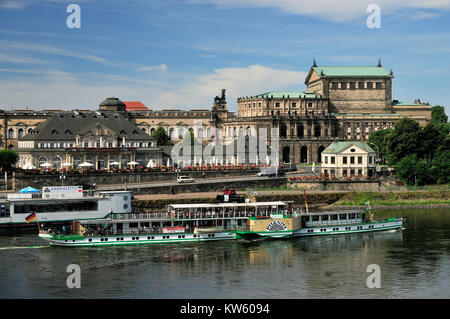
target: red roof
<point>135,106</point>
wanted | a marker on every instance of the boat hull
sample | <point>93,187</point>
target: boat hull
<point>122,240</point>
<point>390,224</point>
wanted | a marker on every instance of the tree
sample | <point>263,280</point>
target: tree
<point>412,170</point>
<point>8,158</point>
<point>379,138</point>
<point>403,141</point>
<point>438,114</point>
<point>161,136</point>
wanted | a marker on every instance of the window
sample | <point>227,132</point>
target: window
<point>344,172</point>
<point>378,85</point>
<point>359,159</point>
<point>352,85</point>
<point>360,85</point>
<point>294,104</point>
<point>344,160</point>
<point>309,104</point>
<point>352,160</point>
<point>332,160</point>
<point>352,172</point>
<point>259,104</point>
<point>360,172</point>
<point>343,85</point>
<point>370,85</point>
<point>277,104</point>
<point>10,133</point>
<point>334,85</point>
<point>324,217</point>
<point>20,133</point>
<point>326,159</point>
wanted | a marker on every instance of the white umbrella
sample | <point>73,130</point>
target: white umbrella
<point>150,164</point>
<point>46,165</point>
<point>28,166</point>
<point>114,163</point>
<point>85,164</point>
<point>66,164</point>
<point>132,163</point>
<point>168,162</point>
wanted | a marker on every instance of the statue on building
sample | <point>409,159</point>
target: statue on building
<point>220,99</point>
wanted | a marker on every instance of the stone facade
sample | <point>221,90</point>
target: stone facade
<point>339,103</point>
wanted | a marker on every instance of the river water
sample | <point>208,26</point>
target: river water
<point>414,263</point>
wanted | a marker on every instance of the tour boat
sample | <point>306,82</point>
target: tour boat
<point>61,207</point>
<point>212,222</point>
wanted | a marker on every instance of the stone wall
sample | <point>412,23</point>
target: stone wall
<point>358,186</point>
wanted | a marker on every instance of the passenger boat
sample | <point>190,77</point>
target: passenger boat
<point>62,209</point>
<point>212,222</point>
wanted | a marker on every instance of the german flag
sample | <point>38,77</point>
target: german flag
<point>31,217</point>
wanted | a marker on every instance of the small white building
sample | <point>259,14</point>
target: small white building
<point>346,159</point>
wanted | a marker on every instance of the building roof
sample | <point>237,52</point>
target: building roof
<point>285,94</point>
<point>351,71</point>
<point>65,126</point>
<point>338,147</point>
<point>135,106</point>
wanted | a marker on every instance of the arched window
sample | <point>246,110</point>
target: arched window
<point>57,162</point>
<point>208,132</point>
<point>10,133</point>
<point>123,161</point>
<point>249,131</point>
<point>180,133</point>
<point>200,133</point>
<point>20,133</point>
<point>42,160</point>
<point>30,131</point>
<point>152,130</point>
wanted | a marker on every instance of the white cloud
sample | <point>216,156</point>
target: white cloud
<point>161,67</point>
<point>63,90</point>
<point>342,10</point>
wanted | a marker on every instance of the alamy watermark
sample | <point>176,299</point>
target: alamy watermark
<point>374,19</point>
<point>374,279</point>
<point>74,19</point>
<point>74,279</point>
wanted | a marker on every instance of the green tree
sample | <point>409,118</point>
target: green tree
<point>440,168</point>
<point>403,140</point>
<point>379,138</point>
<point>429,140</point>
<point>411,170</point>
<point>438,114</point>
<point>8,159</point>
<point>161,136</point>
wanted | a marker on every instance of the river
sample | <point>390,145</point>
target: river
<point>414,263</point>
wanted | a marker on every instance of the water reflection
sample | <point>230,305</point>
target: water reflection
<point>414,263</point>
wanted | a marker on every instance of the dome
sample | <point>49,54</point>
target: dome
<point>112,104</point>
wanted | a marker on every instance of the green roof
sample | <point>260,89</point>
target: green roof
<point>337,147</point>
<point>281,94</point>
<point>352,71</point>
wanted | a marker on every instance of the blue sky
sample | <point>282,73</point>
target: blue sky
<point>180,53</point>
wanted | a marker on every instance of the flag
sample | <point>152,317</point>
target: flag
<point>30,217</point>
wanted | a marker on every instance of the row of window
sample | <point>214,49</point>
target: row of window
<point>96,144</point>
<point>356,85</point>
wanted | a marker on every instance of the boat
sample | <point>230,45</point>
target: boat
<point>59,206</point>
<point>211,222</point>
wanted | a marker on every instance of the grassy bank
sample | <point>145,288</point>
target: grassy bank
<point>407,198</point>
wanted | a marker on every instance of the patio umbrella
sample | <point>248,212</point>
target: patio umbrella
<point>168,162</point>
<point>150,164</point>
<point>66,164</point>
<point>46,165</point>
<point>114,163</point>
<point>86,164</point>
<point>132,163</point>
<point>29,190</point>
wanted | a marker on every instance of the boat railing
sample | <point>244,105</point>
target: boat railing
<point>189,215</point>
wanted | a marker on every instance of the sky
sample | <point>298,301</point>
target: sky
<point>180,53</point>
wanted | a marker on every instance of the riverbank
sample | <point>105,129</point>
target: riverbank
<point>315,199</point>
<point>380,200</point>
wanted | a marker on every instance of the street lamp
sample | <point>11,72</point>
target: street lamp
<point>378,150</point>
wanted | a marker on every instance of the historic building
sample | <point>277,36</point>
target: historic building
<point>346,159</point>
<point>103,138</point>
<point>339,103</point>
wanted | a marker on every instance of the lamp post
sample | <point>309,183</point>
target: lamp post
<point>378,151</point>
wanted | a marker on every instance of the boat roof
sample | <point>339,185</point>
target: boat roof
<point>256,204</point>
<point>331,212</point>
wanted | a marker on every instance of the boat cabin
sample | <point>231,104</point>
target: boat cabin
<point>332,218</point>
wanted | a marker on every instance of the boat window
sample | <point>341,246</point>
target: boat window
<point>315,218</point>
<point>48,207</point>
<point>325,217</point>
<point>352,216</point>
<point>343,216</point>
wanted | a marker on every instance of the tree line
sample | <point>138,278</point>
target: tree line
<point>419,154</point>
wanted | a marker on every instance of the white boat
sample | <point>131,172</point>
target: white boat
<point>211,222</point>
